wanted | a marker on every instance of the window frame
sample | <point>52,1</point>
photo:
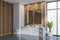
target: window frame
<point>56,15</point>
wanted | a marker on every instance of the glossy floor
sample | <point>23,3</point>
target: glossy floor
<point>27,37</point>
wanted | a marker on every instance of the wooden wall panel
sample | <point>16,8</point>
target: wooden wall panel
<point>43,14</point>
<point>8,18</point>
<point>33,7</point>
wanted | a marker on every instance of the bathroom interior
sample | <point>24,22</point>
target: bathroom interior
<point>27,19</point>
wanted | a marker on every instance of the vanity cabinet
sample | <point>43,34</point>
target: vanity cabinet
<point>34,14</point>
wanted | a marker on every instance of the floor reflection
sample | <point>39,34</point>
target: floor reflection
<point>9,37</point>
<point>28,37</point>
<point>53,38</point>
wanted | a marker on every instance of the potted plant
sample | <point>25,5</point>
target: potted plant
<point>50,25</point>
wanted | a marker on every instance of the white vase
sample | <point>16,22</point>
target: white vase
<point>50,34</point>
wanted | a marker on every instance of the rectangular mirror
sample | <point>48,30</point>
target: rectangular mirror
<point>37,18</point>
<point>30,17</point>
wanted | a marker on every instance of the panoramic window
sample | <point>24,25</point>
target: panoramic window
<point>51,5</point>
<point>53,14</point>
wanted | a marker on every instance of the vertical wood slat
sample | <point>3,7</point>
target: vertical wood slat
<point>1,18</point>
<point>5,17</point>
<point>10,13</point>
<point>43,14</point>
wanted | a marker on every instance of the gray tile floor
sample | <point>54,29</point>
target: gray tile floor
<point>26,37</point>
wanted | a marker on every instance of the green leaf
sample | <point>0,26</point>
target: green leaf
<point>50,25</point>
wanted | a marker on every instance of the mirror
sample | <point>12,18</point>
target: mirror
<point>37,18</point>
<point>30,17</point>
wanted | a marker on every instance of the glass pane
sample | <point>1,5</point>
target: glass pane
<point>59,4</point>
<point>52,5</point>
<point>58,22</point>
<point>51,16</point>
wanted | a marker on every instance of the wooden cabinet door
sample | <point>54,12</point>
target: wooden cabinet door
<point>7,9</point>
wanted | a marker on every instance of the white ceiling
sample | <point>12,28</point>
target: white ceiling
<point>26,1</point>
<point>29,1</point>
<point>33,1</point>
<point>12,1</point>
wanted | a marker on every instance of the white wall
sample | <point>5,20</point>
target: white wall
<point>21,15</point>
<point>15,17</point>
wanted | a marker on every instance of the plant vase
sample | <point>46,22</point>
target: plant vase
<point>50,34</point>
